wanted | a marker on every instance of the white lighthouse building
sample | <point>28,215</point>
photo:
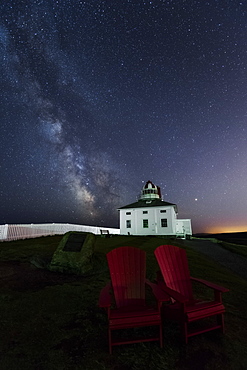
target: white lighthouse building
<point>151,215</point>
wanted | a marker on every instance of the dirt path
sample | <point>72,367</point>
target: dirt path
<point>233,261</point>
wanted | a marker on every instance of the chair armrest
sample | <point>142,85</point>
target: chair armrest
<point>210,285</point>
<point>159,294</point>
<point>105,296</point>
<point>172,293</point>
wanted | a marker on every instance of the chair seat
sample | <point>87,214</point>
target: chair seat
<point>204,309</point>
<point>139,316</point>
<point>199,309</point>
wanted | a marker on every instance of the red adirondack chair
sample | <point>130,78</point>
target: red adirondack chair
<point>127,267</point>
<point>174,278</point>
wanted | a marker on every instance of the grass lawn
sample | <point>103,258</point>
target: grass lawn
<point>52,321</point>
<point>234,248</point>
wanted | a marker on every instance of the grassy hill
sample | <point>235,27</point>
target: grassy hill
<point>51,320</point>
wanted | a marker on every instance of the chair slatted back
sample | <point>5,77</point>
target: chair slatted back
<point>174,267</point>
<point>127,267</point>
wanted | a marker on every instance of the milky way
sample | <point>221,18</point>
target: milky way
<point>99,96</point>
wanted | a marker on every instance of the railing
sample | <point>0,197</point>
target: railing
<point>27,231</point>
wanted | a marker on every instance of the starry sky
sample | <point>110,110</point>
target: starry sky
<point>98,97</point>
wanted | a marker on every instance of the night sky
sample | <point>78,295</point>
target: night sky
<point>98,97</point>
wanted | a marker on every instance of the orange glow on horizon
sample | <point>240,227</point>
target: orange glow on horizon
<point>226,229</point>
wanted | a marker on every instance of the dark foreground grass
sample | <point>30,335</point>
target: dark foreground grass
<point>52,321</point>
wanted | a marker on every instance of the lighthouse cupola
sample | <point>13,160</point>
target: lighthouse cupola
<point>150,191</point>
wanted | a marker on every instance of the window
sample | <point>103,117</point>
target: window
<point>163,211</point>
<point>144,212</point>
<point>128,213</point>
<point>128,224</point>
<point>150,191</point>
<point>164,222</point>
<point>145,223</point>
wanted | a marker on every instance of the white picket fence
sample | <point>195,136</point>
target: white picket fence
<point>27,231</point>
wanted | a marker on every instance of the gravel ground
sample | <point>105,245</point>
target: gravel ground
<point>233,261</point>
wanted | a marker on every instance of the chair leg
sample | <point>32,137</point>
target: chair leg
<point>220,321</point>
<point>184,329</point>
